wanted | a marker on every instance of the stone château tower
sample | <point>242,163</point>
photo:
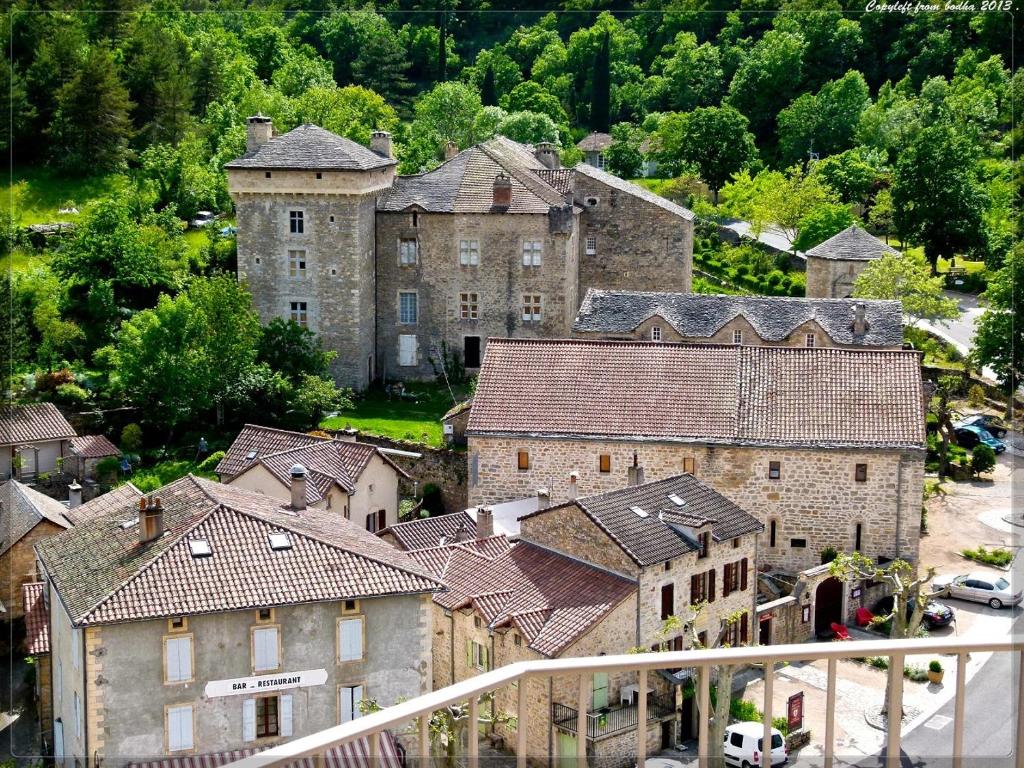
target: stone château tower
<point>306,204</point>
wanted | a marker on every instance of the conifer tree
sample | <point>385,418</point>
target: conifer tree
<point>600,104</point>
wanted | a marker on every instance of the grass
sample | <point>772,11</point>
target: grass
<point>22,260</point>
<point>420,422</point>
<point>44,191</point>
<point>998,557</point>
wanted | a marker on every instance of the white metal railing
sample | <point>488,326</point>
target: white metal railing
<point>420,708</point>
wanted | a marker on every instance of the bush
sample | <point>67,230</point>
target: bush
<point>743,710</point>
<point>51,380</point>
<point>976,396</point>
<point>983,459</point>
<point>71,394</point>
<point>210,463</point>
<point>915,672</point>
<point>998,557</point>
<point>107,469</point>
<point>934,666</point>
<point>131,438</point>
<point>781,724</point>
<point>828,554</point>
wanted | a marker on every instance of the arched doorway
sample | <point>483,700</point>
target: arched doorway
<point>828,605</point>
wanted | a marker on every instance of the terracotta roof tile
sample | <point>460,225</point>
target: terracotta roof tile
<point>93,447</point>
<point>33,423</point>
<point>260,441</point>
<point>37,619</point>
<point>433,531</point>
<point>123,496</point>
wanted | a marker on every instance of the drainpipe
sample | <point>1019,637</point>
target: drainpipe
<point>899,503</point>
<point>451,654</point>
<point>551,730</point>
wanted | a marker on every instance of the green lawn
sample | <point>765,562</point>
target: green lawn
<point>41,192</point>
<point>22,259</point>
<point>418,422</point>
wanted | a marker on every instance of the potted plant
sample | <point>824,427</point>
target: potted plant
<point>935,671</point>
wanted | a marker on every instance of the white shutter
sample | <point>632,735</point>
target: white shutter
<point>76,647</point>
<point>179,659</point>
<point>357,699</point>
<point>286,715</point>
<point>179,728</point>
<point>350,639</point>
<point>249,720</point>
<point>58,740</point>
<point>265,648</point>
<point>407,349</point>
<point>78,716</point>
<point>345,694</point>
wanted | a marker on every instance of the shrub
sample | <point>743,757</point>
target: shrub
<point>742,269</point>
<point>976,396</point>
<point>107,469</point>
<point>983,459</point>
<point>131,437</point>
<point>878,662</point>
<point>743,710</point>
<point>915,672</point>
<point>71,394</point>
<point>998,557</point>
<point>934,666</point>
<point>775,278</point>
<point>781,724</point>
<point>828,554</point>
<point>210,463</point>
<point>49,381</point>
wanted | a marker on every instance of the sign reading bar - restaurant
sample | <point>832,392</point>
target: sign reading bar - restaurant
<point>261,683</point>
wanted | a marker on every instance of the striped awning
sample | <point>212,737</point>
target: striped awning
<point>355,754</point>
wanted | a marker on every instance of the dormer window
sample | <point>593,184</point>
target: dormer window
<point>655,333</point>
<point>810,340</point>
<point>737,336</point>
<point>199,548</point>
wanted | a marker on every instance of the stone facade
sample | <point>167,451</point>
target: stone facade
<point>816,502</point>
<point>18,566</point>
<point>832,278</point>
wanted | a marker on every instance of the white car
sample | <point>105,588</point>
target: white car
<point>203,219</point>
<point>743,745</point>
<point>979,587</point>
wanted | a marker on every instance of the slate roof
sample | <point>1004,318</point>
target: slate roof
<point>695,315</point>
<point>34,423</point>
<point>661,535</point>
<point>852,244</point>
<point>37,619</point>
<point>707,393</point>
<point>22,508</point>
<point>310,147</point>
<point>595,142</point>
<point>104,575</point>
<point>635,190</point>
<point>551,599</point>
<point>93,447</point>
<point>119,498</point>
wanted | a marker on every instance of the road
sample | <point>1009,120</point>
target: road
<point>771,236</point>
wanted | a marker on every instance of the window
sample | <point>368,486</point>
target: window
<point>408,251</point>
<point>517,639</point>
<point>350,697</point>
<point>810,340</point>
<point>267,175</point>
<point>655,333</point>
<point>377,521</point>
<point>798,543</point>
<point>531,308</point>
<point>319,175</point>
<point>604,463</point>
<point>469,306</point>
<point>350,639</point>
<point>266,654</point>
<point>698,587</point>
<point>406,350</point>
<point>857,534</point>
<point>299,312</point>
<point>523,460</point>
<point>668,600</point>
<point>415,218</point>
<point>600,160</point>
<point>730,578</point>
<point>736,543</point>
<point>689,465</point>
<point>265,614</point>
<point>177,624</point>
<point>532,250</point>
<point>179,728</point>
<point>267,712</point>
<point>280,541</point>
<point>737,336</point>
<point>772,530</point>
<point>736,739</point>
<point>469,253</point>
<point>408,307</point>
<point>736,632</point>
<point>477,656</point>
<point>296,223</point>
<point>477,622</point>
<point>350,606</point>
<point>703,542</point>
<point>591,245</point>
<point>592,201</point>
<point>774,470</point>
<point>178,659</point>
<point>296,264</point>
<point>267,716</point>
<point>861,473</point>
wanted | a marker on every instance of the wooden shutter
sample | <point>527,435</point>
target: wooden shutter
<point>469,653</point>
<point>286,715</point>
<point>668,600</point>
<point>351,640</point>
<point>695,596</point>
<point>249,720</point>
<point>382,519</point>
<point>743,628</point>
<point>179,659</point>
<point>711,585</point>
<point>58,739</point>
<point>743,574</point>
<point>726,579</point>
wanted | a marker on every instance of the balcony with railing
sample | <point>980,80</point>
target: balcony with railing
<point>411,718</point>
<point>609,721</point>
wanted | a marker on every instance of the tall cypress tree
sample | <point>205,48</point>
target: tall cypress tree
<point>442,48</point>
<point>600,100</point>
<point>488,91</point>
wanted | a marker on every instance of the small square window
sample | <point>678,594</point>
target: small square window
<point>517,639</point>
<point>861,473</point>
<point>655,333</point>
<point>476,622</point>
<point>350,606</point>
<point>469,306</point>
<point>689,465</point>
<point>810,340</point>
<point>736,543</point>
<point>523,460</point>
<point>737,336</point>
<point>604,463</point>
<point>531,308</point>
<point>774,470</point>
<point>299,312</point>
<point>267,174</point>
<point>668,565</point>
<point>258,261</point>
<point>798,543</point>
<point>591,245</point>
<point>296,264</point>
<point>178,623</point>
<point>332,219</point>
<point>200,548</point>
<point>266,614</point>
<point>319,175</point>
<point>280,542</point>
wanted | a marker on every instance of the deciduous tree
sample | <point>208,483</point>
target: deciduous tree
<point>999,335</point>
<point>906,278</point>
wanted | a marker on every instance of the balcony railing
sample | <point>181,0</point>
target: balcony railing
<point>608,720</point>
<point>415,713</point>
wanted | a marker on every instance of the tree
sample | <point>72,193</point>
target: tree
<point>881,214</point>
<point>937,197</point>
<point>623,156</point>
<point>999,334</point>
<point>353,111</point>
<point>788,201</point>
<point>488,94</point>
<point>531,97</point>
<point>303,70</point>
<point>446,113</point>
<point>293,350</point>
<point>382,60</point>
<point>849,174</point>
<point>983,459</point>
<point>693,73</point>
<point>600,103</point>
<point>528,128</point>
<point>768,79</point>
<point>906,278</point>
<point>822,223</point>
<point>313,397</point>
<point>941,406</point>
<point>825,122</point>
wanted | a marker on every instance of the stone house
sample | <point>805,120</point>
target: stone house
<point>85,452</point>
<point>26,518</point>
<point>435,531</point>
<point>759,320</point>
<point>356,480</point>
<point>454,422</point>
<point>826,446</point>
<point>33,439</point>
<point>593,146</point>
<point>413,273</point>
<point>206,619</point>
<point>833,266</point>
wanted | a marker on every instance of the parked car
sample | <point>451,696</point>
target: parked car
<point>990,424</point>
<point>970,436</point>
<point>979,587</point>
<point>203,219</point>
<point>743,745</point>
<point>935,614</point>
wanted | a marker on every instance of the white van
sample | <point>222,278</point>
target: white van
<point>743,745</point>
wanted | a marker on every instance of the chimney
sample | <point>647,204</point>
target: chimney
<point>151,519</point>
<point>860,323</point>
<point>543,498</point>
<point>502,191</point>
<point>298,475</point>
<point>635,474</point>
<point>484,522</point>
<point>380,142</point>
<point>462,533</point>
<point>347,435</point>
<point>74,495</point>
<point>260,130</point>
<point>574,479</point>
<point>451,149</point>
<point>546,153</point>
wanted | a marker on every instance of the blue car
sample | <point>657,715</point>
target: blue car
<point>969,436</point>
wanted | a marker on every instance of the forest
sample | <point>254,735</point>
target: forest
<point>806,116</point>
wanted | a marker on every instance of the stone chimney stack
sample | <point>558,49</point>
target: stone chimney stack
<point>380,142</point>
<point>860,322</point>
<point>151,519</point>
<point>484,522</point>
<point>502,191</point>
<point>546,152</point>
<point>574,483</point>
<point>260,129</point>
<point>298,488</point>
<point>462,533</point>
<point>74,495</point>
<point>635,474</point>
<point>451,149</point>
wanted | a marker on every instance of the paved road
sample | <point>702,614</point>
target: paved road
<point>770,236</point>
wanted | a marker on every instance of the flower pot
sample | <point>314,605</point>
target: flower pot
<point>936,677</point>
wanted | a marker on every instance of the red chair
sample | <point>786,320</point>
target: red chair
<point>864,617</point>
<point>842,633</point>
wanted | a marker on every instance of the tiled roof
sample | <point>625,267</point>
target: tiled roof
<point>658,537</point>
<point>635,190</point>
<point>852,244</point>
<point>638,390</point>
<point>22,509</point>
<point>559,179</point>
<point>432,531</point>
<point>552,599</point>
<point>774,318</point>
<point>104,575</point>
<point>33,423</point>
<point>93,447</point>
<point>458,408</point>
<point>595,142</point>
<point>314,148</point>
<point>37,619</point>
<point>119,498</point>
<point>260,441</point>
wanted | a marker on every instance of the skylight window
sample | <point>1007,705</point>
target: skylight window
<point>676,499</point>
<point>250,455</point>
<point>129,523</point>
<point>280,541</point>
<point>638,511</point>
<point>200,548</point>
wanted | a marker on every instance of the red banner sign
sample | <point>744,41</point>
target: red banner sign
<point>795,711</point>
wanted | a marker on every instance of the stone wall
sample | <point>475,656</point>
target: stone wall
<point>816,499</point>
<point>18,566</point>
<point>832,278</point>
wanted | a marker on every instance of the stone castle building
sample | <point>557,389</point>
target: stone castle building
<point>833,266</point>
<point>397,273</point>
